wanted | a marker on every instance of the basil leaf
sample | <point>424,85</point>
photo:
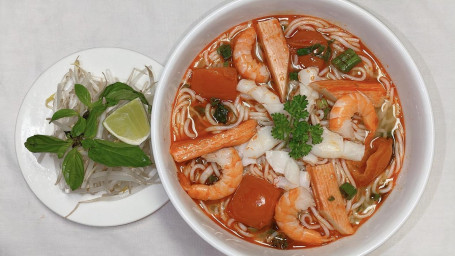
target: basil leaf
<point>63,113</point>
<point>91,127</point>
<point>73,169</point>
<point>83,94</point>
<point>43,143</point>
<point>109,93</point>
<point>115,154</point>
<point>115,96</point>
<point>79,127</point>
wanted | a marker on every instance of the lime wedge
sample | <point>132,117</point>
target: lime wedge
<point>129,123</point>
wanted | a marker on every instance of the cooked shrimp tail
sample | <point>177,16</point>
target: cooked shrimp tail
<point>345,108</point>
<point>232,173</point>
<point>286,216</point>
<point>244,61</point>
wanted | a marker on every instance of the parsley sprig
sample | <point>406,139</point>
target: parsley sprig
<point>295,130</point>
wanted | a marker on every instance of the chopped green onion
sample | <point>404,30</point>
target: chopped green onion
<point>326,113</point>
<point>322,103</point>
<point>200,110</point>
<point>346,60</point>
<point>348,191</point>
<point>293,76</point>
<point>375,196</point>
<point>211,180</point>
<point>280,241</point>
<point>225,51</point>
<point>310,49</point>
<point>331,198</point>
<point>214,101</point>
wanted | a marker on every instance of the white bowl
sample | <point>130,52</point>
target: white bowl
<point>399,65</point>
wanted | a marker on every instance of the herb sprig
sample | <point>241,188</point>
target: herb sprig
<point>295,130</point>
<point>114,154</point>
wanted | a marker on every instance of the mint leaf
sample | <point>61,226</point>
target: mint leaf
<point>43,143</point>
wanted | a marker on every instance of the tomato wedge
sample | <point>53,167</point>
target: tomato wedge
<point>215,83</point>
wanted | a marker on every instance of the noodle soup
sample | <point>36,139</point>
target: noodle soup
<point>287,132</point>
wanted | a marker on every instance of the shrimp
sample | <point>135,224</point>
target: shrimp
<point>345,107</point>
<point>287,212</point>
<point>232,174</point>
<point>244,61</point>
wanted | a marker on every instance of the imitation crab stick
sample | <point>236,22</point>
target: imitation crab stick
<point>328,198</point>
<point>276,52</point>
<point>189,149</point>
<point>334,89</point>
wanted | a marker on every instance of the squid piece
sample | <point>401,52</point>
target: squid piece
<point>328,198</point>
<point>276,52</point>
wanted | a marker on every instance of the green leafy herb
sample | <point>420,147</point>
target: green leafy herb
<point>226,64</point>
<point>293,76</point>
<point>84,130</point>
<point>221,111</point>
<point>211,180</point>
<point>73,169</point>
<point>225,51</point>
<point>115,154</point>
<point>280,241</point>
<point>43,143</point>
<point>375,197</point>
<point>120,91</point>
<point>63,113</point>
<point>91,127</point>
<point>83,94</point>
<point>294,129</point>
<point>348,191</point>
<point>346,60</point>
<point>79,127</point>
<point>331,198</point>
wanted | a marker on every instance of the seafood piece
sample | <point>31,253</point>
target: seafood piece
<point>258,145</point>
<point>345,108</point>
<point>334,89</point>
<point>232,173</point>
<point>246,65</point>
<point>282,163</point>
<point>276,52</point>
<point>333,146</point>
<point>189,149</point>
<point>375,161</point>
<point>261,94</point>
<point>287,211</point>
<point>253,203</point>
<point>328,198</point>
<point>308,75</point>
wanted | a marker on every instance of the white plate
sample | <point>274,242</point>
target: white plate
<point>41,177</point>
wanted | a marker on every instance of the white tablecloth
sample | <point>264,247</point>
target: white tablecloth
<point>36,34</point>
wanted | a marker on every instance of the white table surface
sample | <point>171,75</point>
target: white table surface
<point>36,34</point>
